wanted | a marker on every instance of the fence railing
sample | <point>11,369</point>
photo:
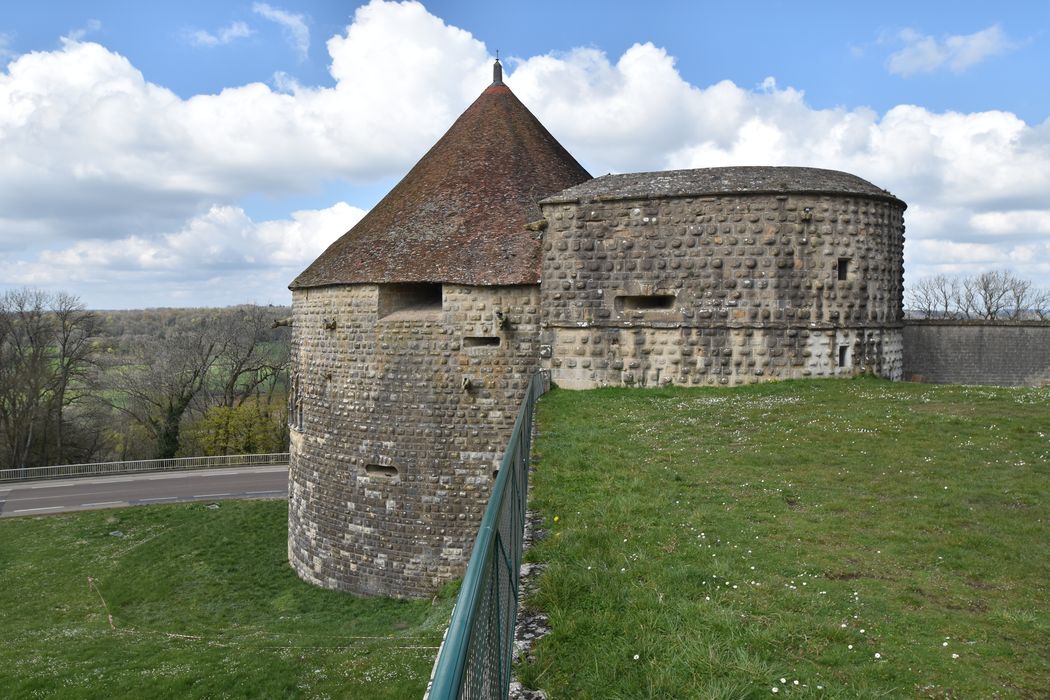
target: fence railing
<point>475,657</point>
<point>64,471</point>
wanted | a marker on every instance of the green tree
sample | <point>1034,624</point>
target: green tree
<point>254,426</point>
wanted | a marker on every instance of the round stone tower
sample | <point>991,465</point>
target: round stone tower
<point>722,276</point>
<point>414,336</point>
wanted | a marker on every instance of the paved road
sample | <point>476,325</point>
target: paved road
<point>61,495</point>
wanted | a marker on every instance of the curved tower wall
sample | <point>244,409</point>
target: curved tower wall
<point>722,289</point>
<point>400,414</point>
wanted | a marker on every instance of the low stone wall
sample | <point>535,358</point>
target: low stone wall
<point>1002,353</point>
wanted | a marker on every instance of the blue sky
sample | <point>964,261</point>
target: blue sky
<point>202,153</point>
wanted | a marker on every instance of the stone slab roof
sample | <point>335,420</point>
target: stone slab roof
<point>459,215</point>
<point>720,181</point>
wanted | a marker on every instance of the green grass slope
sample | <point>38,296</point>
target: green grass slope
<point>203,605</point>
<point>799,539</point>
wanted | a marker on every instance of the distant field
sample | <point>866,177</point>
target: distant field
<point>849,539</point>
<point>203,605</point>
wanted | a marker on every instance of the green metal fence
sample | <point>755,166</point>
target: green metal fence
<point>475,657</point>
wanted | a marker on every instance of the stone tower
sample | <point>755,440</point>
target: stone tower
<point>414,336</point>
<point>722,276</point>
<point>416,332</point>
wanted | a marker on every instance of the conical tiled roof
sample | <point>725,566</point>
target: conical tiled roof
<point>459,215</point>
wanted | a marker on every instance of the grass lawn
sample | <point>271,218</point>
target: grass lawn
<point>840,538</point>
<point>203,604</point>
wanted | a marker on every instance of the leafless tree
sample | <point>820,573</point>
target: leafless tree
<point>990,291</point>
<point>45,349</point>
<point>1040,304</point>
<point>1024,298</point>
<point>159,378</point>
<point>936,297</point>
<point>247,363</point>
<point>995,294</point>
<point>190,362</point>
<point>75,329</point>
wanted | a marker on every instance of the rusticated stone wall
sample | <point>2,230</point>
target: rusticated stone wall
<point>1002,353</point>
<point>726,289</point>
<point>398,424</point>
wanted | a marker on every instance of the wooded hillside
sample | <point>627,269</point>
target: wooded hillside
<point>79,386</point>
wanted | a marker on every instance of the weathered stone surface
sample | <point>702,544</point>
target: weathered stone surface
<point>402,392</point>
<point>1002,353</point>
<point>722,288</point>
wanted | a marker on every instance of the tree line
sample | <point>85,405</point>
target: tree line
<point>996,294</point>
<point>81,386</point>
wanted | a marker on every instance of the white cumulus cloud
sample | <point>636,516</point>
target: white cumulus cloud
<point>222,251</point>
<point>922,53</point>
<point>294,26</point>
<point>226,35</point>
<point>108,180</point>
<point>89,147</point>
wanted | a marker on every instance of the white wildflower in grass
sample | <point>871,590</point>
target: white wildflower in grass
<point>776,689</point>
<point>794,682</point>
<point>955,656</point>
<point>878,655</point>
<point>850,646</point>
<point>944,644</point>
<point>636,657</point>
<point>783,680</point>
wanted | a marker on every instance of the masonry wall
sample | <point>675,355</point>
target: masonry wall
<point>399,423</point>
<point>726,289</point>
<point>977,352</point>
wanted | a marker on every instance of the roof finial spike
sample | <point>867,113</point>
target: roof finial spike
<point>497,71</point>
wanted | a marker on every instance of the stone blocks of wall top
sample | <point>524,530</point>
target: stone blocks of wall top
<point>398,425</point>
<point>721,289</point>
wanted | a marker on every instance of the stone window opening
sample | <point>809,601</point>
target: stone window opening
<point>843,356</point>
<point>409,300</point>
<point>481,341</point>
<point>843,269</point>
<point>382,471</point>
<point>645,302</point>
